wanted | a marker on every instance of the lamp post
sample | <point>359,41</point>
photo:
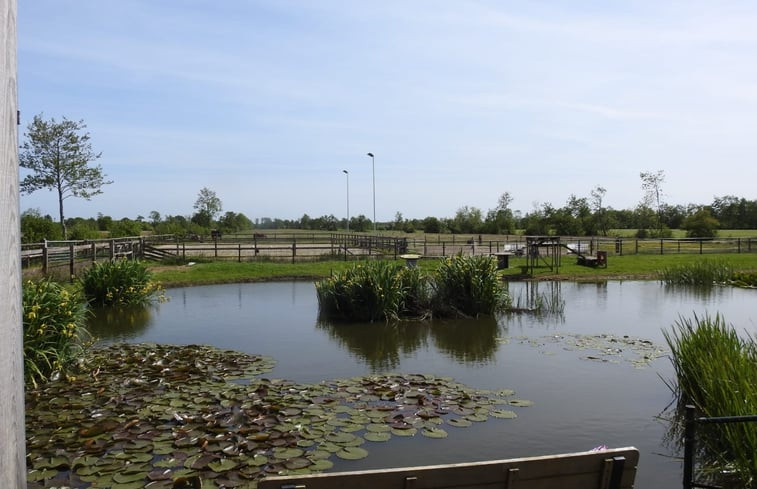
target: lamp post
<point>348,199</point>
<point>373,167</point>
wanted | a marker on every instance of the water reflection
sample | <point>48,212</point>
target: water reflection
<point>119,323</point>
<point>378,344</point>
<point>382,345</point>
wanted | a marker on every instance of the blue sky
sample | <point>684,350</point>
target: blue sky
<point>266,102</point>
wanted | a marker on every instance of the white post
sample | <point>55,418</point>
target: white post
<point>12,435</point>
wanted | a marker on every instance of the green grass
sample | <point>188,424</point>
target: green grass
<point>625,267</point>
<point>702,272</point>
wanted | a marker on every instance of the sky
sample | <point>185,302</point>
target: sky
<point>266,102</point>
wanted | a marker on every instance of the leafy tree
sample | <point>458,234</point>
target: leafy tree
<point>231,222</point>
<point>500,220</point>
<point>600,213</point>
<point>154,217</point>
<point>467,220</point>
<point>104,222</point>
<point>125,227</point>
<point>208,205</point>
<point>59,158</point>
<point>36,228</point>
<point>701,224</point>
<point>432,225</point>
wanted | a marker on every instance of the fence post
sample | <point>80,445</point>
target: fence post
<point>71,261</point>
<point>215,248</point>
<point>443,249</point>
<point>45,257</point>
<point>94,252</point>
<point>294,250</point>
<point>738,245</point>
<point>700,246</point>
<point>240,253</point>
<point>637,246</point>
<point>688,447</point>
<point>661,246</point>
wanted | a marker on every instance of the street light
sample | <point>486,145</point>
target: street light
<point>373,166</point>
<point>348,199</point>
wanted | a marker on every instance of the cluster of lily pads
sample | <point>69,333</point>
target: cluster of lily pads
<point>608,348</point>
<point>154,415</point>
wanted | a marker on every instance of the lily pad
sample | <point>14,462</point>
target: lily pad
<point>352,453</point>
<point>434,433</point>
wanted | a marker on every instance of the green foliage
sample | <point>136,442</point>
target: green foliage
<point>36,228</point>
<point>58,158</point>
<point>125,227</point>
<point>716,371</point>
<point>468,285</point>
<point>701,272</point>
<point>54,334</point>
<point>208,204</point>
<point>120,283</point>
<point>744,279</point>
<point>80,229</point>
<point>366,292</point>
<point>701,224</point>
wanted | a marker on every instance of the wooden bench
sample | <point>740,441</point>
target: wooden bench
<point>605,469</point>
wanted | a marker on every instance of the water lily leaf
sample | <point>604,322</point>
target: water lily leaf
<point>503,414</point>
<point>378,428</point>
<point>37,475</point>
<point>258,460</point>
<point>477,418</point>
<point>128,485</point>
<point>320,465</point>
<point>521,403</point>
<point>352,453</point>
<point>404,431</point>
<point>434,433</point>
<point>222,465</point>
<point>340,437</point>
<point>287,453</point>
<point>459,422</point>
<point>297,463</point>
<point>123,478</point>
<point>378,437</point>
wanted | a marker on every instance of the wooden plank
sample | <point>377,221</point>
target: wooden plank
<point>568,471</point>
<point>12,439</point>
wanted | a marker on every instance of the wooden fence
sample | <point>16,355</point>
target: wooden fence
<point>67,258</point>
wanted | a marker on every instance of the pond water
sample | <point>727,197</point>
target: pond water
<point>581,397</point>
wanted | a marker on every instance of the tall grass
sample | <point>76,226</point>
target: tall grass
<point>54,330</point>
<point>461,286</point>
<point>120,283</point>
<point>716,370</point>
<point>469,285</point>
<point>703,272</point>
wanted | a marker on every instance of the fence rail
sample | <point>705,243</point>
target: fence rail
<point>67,257</point>
<point>689,445</point>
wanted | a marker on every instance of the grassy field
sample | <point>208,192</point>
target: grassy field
<point>619,267</point>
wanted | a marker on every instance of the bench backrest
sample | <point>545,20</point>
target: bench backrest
<point>606,469</point>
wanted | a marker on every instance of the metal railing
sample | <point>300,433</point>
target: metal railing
<point>689,443</point>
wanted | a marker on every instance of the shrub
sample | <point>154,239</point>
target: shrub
<point>120,283</point>
<point>54,333</point>
<point>468,286</point>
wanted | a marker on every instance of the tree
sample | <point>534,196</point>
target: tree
<point>600,213</point>
<point>35,228</point>
<point>59,158</point>
<point>208,203</point>
<point>651,183</point>
<point>701,224</point>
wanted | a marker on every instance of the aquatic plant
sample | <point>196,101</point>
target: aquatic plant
<point>150,415</point>
<point>365,292</point>
<point>54,333</point>
<point>120,283</point>
<point>704,272</point>
<point>716,371</point>
<point>468,286</point>
<point>744,279</point>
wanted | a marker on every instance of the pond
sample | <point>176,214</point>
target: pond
<point>587,390</point>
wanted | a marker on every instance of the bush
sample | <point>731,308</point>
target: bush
<point>704,272</point>
<point>54,333</point>
<point>120,283</point>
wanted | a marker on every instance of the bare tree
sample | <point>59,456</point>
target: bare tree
<point>651,183</point>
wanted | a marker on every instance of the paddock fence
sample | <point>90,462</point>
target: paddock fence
<point>67,258</point>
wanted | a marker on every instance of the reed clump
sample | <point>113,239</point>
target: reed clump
<point>703,272</point>
<point>716,371</point>
<point>462,286</point>
<point>120,283</point>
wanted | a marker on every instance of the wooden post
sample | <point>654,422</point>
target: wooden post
<point>94,252</point>
<point>45,257</point>
<point>13,452</point>
<point>294,250</point>
<point>240,253</point>
<point>71,261</point>
<point>112,248</point>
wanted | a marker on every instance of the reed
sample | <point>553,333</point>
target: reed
<point>468,286</point>
<point>702,272</point>
<point>120,283</point>
<point>716,371</point>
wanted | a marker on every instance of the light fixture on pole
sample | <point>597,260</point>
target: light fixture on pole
<point>373,167</point>
<point>348,199</point>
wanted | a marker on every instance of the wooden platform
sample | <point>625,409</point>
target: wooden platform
<point>606,469</point>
